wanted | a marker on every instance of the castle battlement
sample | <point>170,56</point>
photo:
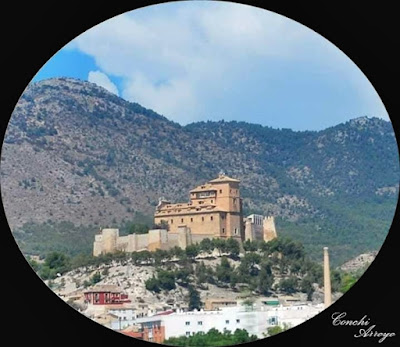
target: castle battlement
<point>214,210</point>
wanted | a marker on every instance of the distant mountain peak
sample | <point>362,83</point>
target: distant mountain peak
<point>365,121</point>
<point>75,152</point>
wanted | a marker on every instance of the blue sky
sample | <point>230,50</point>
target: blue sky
<point>201,60</point>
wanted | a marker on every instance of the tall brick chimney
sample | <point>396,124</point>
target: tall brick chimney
<point>327,279</point>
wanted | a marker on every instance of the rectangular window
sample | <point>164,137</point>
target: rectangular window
<point>234,200</point>
<point>212,218</point>
<point>223,230</point>
<point>220,191</point>
<point>237,320</point>
<point>191,219</point>
<point>187,323</point>
<point>212,201</point>
<point>172,221</point>
<point>227,322</point>
<point>199,323</point>
<point>202,219</point>
<point>181,220</point>
<point>235,231</point>
<point>272,320</point>
<point>188,333</point>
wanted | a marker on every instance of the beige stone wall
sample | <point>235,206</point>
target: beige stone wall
<point>214,210</point>
<point>157,239</point>
<point>109,241</point>
<point>269,228</point>
<point>233,225</point>
<point>254,229</point>
<point>258,227</point>
<point>173,240</point>
<point>127,243</point>
<point>212,224</point>
<point>184,237</point>
<point>97,248</point>
<point>206,222</point>
<point>110,237</point>
<point>142,241</point>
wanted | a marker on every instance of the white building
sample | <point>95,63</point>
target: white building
<point>255,322</point>
<point>126,316</point>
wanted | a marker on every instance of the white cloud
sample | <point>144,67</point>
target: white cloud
<point>102,80</point>
<point>172,65</point>
<point>175,57</point>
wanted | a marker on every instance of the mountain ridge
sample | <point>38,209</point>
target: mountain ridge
<point>76,152</point>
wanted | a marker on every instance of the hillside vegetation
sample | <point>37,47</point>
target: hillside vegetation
<point>75,153</point>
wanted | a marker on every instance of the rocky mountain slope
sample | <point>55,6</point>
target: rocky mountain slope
<point>75,152</point>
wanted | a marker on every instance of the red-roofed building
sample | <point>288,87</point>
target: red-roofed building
<point>153,328</point>
<point>136,334</point>
<point>105,295</point>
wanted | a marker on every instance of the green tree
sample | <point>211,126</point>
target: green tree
<point>96,278</point>
<point>234,279</point>
<point>159,256</point>
<point>203,274</point>
<point>336,280</point>
<point>183,276</point>
<point>288,285</point>
<point>347,282</point>
<point>206,245</point>
<point>194,299</point>
<point>176,252</point>
<point>248,266</point>
<point>34,264</point>
<point>232,246</point>
<point>166,279</point>
<point>57,261</point>
<point>192,251</point>
<point>271,331</point>
<point>265,279</point>
<point>306,286</point>
<point>138,228</point>
<point>220,244</point>
<point>223,271</point>
<point>212,338</point>
<point>250,246</point>
<point>152,284</point>
<point>242,336</point>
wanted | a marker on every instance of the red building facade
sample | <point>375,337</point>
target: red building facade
<point>105,295</point>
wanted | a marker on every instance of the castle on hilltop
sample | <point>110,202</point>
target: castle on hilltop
<point>213,211</point>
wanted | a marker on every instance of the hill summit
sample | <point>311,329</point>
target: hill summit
<point>73,152</point>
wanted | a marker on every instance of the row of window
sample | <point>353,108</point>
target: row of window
<point>191,219</point>
<point>201,322</point>
<point>211,193</point>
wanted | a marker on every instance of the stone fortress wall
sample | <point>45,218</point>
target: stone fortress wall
<point>257,227</point>
<point>109,241</point>
<point>213,211</point>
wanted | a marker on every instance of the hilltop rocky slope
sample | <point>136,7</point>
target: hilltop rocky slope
<point>77,153</point>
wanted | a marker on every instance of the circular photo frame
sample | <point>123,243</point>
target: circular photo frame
<point>201,173</point>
